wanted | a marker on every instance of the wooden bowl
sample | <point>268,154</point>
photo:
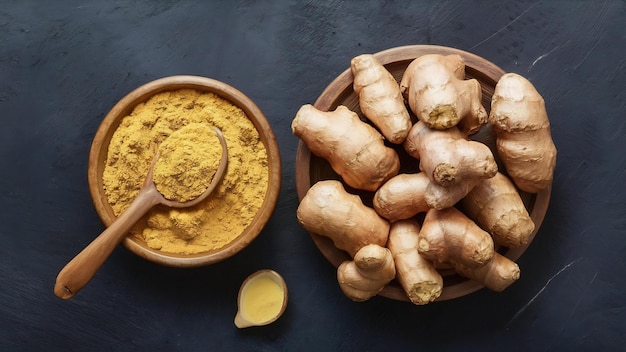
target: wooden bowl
<point>98,156</point>
<point>310,168</point>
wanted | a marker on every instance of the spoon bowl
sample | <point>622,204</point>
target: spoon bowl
<point>77,273</point>
<point>98,156</point>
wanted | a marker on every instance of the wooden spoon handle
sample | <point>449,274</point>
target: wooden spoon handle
<point>77,273</point>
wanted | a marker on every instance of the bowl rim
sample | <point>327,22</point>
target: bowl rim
<point>142,93</point>
<point>344,80</point>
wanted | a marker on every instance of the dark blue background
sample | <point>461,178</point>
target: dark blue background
<point>64,64</point>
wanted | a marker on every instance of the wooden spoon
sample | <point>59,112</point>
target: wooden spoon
<point>77,273</point>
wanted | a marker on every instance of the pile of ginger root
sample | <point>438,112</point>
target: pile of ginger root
<point>458,208</point>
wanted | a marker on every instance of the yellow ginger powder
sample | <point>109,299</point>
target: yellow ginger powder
<point>220,218</point>
<point>188,160</point>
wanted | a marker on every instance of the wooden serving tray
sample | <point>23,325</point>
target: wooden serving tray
<point>310,168</point>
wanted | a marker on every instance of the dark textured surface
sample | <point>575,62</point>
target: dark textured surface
<point>64,64</point>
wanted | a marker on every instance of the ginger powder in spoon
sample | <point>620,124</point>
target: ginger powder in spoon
<point>188,160</point>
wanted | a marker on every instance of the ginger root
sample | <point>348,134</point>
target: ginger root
<point>328,210</point>
<point>448,236</point>
<point>523,138</point>
<point>380,99</point>
<point>406,195</point>
<point>438,94</point>
<point>499,273</point>
<point>354,149</point>
<point>497,207</point>
<point>418,277</point>
<point>366,275</point>
<point>402,197</point>
<point>447,157</point>
<point>440,197</point>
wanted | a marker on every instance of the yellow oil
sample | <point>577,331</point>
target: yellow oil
<point>262,300</point>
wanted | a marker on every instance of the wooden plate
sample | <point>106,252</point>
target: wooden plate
<point>310,168</point>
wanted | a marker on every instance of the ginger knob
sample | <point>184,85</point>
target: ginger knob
<point>523,138</point>
<point>354,149</point>
<point>328,210</point>
<point>366,275</point>
<point>380,99</point>
<point>419,278</point>
<point>438,94</point>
